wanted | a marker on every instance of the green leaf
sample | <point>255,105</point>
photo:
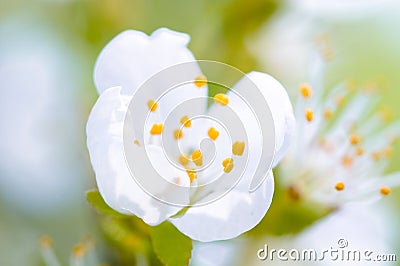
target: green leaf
<point>171,246</point>
<point>96,200</point>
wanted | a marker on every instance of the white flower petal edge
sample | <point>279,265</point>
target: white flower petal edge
<point>105,144</point>
<point>227,217</point>
<point>281,109</point>
<point>132,57</point>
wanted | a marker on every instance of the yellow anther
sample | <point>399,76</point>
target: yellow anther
<point>328,114</point>
<point>309,114</point>
<point>339,186</point>
<point>221,99</point>
<point>200,81</point>
<point>340,100</point>
<point>213,133</point>
<point>227,164</point>
<point>183,159</point>
<point>360,151</point>
<point>45,242</point>
<point>238,148</point>
<point>387,152</point>
<point>306,90</point>
<point>376,156</point>
<point>192,174</point>
<point>347,161</point>
<point>354,139</point>
<point>153,105</point>
<point>79,250</point>
<point>137,143</point>
<point>197,157</point>
<point>386,114</point>
<point>157,129</point>
<point>185,121</point>
<point>385,190</point>
<point>178,134</point>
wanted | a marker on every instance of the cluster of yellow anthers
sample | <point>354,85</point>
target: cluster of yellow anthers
<point>197,156</point>
<point>355,140</point>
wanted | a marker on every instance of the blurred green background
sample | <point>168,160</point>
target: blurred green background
<point>47,53</point>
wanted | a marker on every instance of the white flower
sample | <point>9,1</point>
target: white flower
<point>124,65</point>
<point>347,144</point>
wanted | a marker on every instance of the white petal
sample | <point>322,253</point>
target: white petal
<point>282,111</point>
<point>227,217</point>
<point>261,105</point>
<point>116,185</point>
<point>158,67</point>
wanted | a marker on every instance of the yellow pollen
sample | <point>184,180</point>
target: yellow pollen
<point>386,114</point>
<point>376,156</point>
<point>221,99</point>
<point>153,105</point>
<point>328,114</point>
<point>385,190</point>
<point>197,157</point>
<point>340,100</point>
<point>309,114</point>
<point>360,151</point>
<point>387,152</point>
<point>347,161</point>
<point>137,143</point>
<point>185,121</point>
<point>79,250</point>
<point>157,129</point>
<point>184,160</point>
<point>178,134</point>
<point>306,91</point>
<point>192,174</point>
<point>354,139</point>
<point>238,148</point>
<point>200,81</point>
<point>45,242</point>
<point>213,133</point>
<point>339,186</point>
<point>227,164</point>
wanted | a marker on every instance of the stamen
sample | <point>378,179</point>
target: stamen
<point>306,90</point>
<point>184,159</point>
<point>347,161</point>
<point>178,134</point>
<point>339,186</point>
<point>213,133</point>
<point>185,121</point>
<point>309,113</point>
<point>45,242</point>
<point>360,151</point>
<point>197,157</point>
<point>221,99</point>
<point>157,129</point>
<point>238,148</point>
<point>387,152</point>
<point>137,143</point>
<point>200,81</point>
<point>385,190</point>
<point>153,105</point>
<point>228,165</point>
<point>376,156</point>
<point>192,174</point>
<point>354,139</point>
<point>340,100</point>
<point>79,250</point>
<point>328,114</point>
